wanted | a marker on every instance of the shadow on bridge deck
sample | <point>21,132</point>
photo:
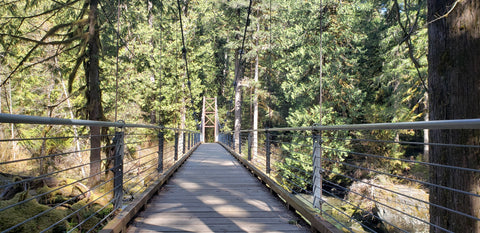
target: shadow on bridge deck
<point>212,192</point>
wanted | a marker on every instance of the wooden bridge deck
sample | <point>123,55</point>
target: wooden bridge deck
<point>212,192</point>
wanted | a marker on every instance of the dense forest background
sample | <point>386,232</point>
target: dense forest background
<point>371,54</point>
<point>299,63</point>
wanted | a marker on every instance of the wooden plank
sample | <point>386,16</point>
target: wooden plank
<point>174,208</point>
<point>217,203</point>
<point>219,190</point>
<point>242,226</point>
<point>208,200</point>
<point>206,183</point>
<point>212,192</point>
<point>141,230</point>
<point>211,221</point>
<point>158,214</point>
<point>225,215</point>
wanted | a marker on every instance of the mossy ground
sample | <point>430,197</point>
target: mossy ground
<point>82,211</point>
<point>12,216</point>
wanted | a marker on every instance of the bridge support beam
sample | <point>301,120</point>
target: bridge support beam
<point>209,117</point>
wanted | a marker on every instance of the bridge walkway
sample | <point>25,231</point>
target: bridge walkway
<point>212,192</point>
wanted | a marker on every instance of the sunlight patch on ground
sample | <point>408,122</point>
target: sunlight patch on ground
<point>207,199</point>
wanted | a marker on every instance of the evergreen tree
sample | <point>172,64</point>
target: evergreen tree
<point>454,52</point>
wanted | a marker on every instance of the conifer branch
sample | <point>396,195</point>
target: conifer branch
<point>42,13</point>
<point>42,42</point>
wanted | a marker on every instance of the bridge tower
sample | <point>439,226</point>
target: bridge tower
<point>209,116</point>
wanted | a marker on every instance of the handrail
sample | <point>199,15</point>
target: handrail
<point>25,119</point>
<point>436,124</point>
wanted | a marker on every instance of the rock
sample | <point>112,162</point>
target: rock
<point>388,211</point>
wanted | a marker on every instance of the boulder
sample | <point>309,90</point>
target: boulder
<point>388,206</point>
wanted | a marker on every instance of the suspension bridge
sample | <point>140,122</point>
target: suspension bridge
<point>158,179</point>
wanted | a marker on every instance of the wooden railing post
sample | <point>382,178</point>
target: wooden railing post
<point>161,139</point>
<point>267,151</point>
<point>317,169</point>
<point>118,140</point>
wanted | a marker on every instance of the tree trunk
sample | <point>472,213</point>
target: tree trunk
<point>255,106</point>
<point>12,126</point>
<point>454,58</point>
<point>94,104</point>
<point>426,132</point>
<point>320,70</point>
<point>183,117</point>
<point>225,71</point>
<point>153,113</point>
<point>10,190</point>
<point>75,130</point>
<point>159,82</point>
<point>238,100</point>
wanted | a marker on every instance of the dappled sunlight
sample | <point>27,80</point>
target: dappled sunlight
<point>212,200</point>
<point>258,204</point>
<point>229,208</point>
<point>189,185</point>
<point>209,195</point>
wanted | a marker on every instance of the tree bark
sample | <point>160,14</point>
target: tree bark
<point>255,105</point>
<point>183,118</point>
<point>238,99</point>
<point>426,132</point>
<point>75,130</point>
<point>12,126</point>
<point>454,93</point>
<point>94,103</point>
<point>153,79</point>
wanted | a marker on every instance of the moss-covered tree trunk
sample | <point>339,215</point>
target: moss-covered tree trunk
<point>94,101</point>
<point>454,93</point>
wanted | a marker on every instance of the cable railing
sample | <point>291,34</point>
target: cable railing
<point>51,181</point>
<point>367,177</point>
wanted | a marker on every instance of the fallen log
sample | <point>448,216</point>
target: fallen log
<point>17,184</point>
